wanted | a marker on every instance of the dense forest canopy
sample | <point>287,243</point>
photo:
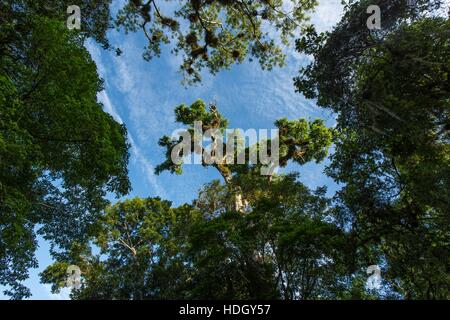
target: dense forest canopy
<point>60,153</point>
<point>248,235</point>
<point>392,146</point>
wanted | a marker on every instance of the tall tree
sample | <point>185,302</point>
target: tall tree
<point>273,250</point>
<point>284,246</point>
<point>60,153</point>
<point>298,140</point>
<point>390,90</point>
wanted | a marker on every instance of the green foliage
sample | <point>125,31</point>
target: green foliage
<point>391,93</point>
<point>299,140</point>
<point>250,236</point>
<point>215,34</point>
<point>207,34</point>
<point>141,243</point>
<point>330,77</point>
<point>284,247</point>
<point>95,16</point>
<point>60,153</point>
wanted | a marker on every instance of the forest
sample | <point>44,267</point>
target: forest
<point>64,160</point>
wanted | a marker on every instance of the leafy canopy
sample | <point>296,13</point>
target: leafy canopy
<point>390,91</point>
<point>299,140</point>
<point>60,153</point>
<point>215,34</point>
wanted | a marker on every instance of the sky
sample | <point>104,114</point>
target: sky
<point>143,95</point>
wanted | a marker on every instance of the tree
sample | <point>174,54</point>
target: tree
<point>285,247</point>
<point>96,19</point>
<point>299,141</point>
<point>215,34</point>
<point>282,247</point>
<point>141,245</point>
<point>390,90</point>
<point>60,153</point>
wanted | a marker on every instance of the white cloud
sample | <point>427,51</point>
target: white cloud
<point>137,155</point>
<point>147,169</point>
<point>64,293</point>
<point>327,14</point>
<point>128,84</point>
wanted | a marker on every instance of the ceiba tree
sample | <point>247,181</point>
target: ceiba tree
<point>298,140</point>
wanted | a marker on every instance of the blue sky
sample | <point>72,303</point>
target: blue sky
<point>143,96</point>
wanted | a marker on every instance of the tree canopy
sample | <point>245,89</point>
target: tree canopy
<point>255,233</point>
<point>391,93</point>
<point>206,34</point>
<point>298,140</point>
<point>215,34</point>
<point>60,153</point>
<point>282,248</point>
